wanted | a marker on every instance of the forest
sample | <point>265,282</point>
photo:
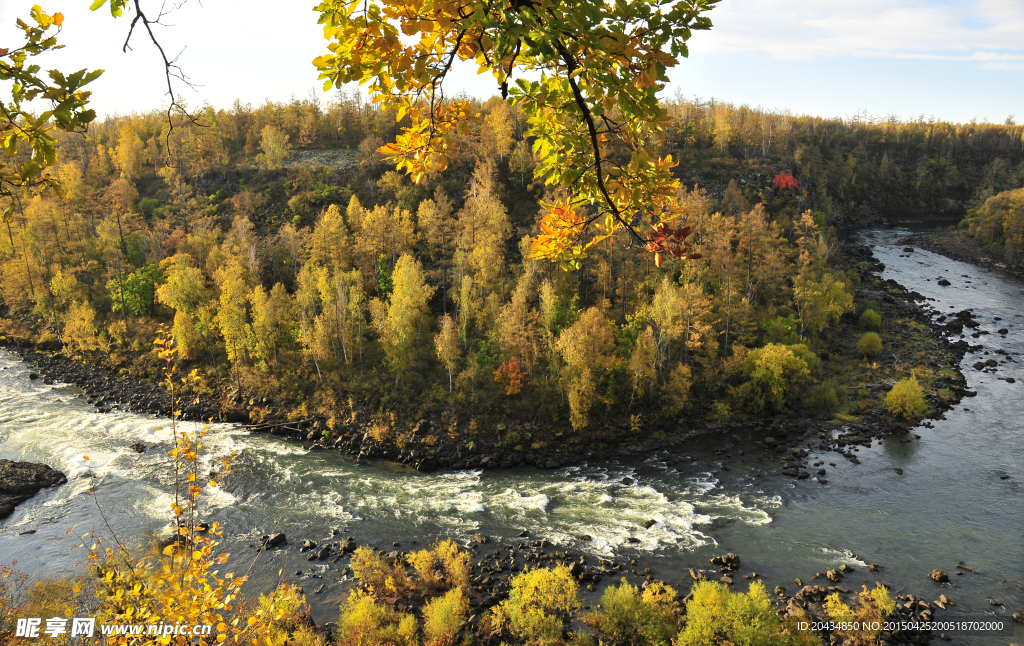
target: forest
<point>293,264</point>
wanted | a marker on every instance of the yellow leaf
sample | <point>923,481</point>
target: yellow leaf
<point>58,19</point>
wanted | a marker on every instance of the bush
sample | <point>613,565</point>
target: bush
<point>781,330</point>
<point>443,617</point>
<point>442,567</point>
<point>822,400</point>
<point>854,277</point>
<point>774,372</point>
<point>870,319</point>
<point>366,622</point>
<point>869,345</point>
<point>629,618</point>
<point>871,609</point>
<point>538,606</point>
<point>906,399</point>
<point>385,581</point>
<point>715,615</point>
<point>675,396</point>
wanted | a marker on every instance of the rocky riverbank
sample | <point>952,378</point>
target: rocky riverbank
<point>105,390</point>
<point>956,244</point>
<point>328,578</point>
<point>19,481</point>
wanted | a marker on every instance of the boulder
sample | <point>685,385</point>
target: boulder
<point>730,560</point>
<point>650,523</point>
<point>945,283</point>
<point>834,575</point>
<point>814,593</point>
<point>481,538</point>
<point>347,546</point>
<point>19,481</point>
<point>939,576</point>
<point>273,540</point>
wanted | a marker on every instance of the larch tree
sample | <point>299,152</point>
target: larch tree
<point>446,344</point>
<point>484,228</point>
<point>272,317</point>
<point>233,316</point>
<point>587,348</point>
<point>275,146</point>
<point>401,322</point>
<point>329,242</point>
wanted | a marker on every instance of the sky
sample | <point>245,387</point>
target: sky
<point>953,60</point>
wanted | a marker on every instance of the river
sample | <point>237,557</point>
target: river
<point>959,499</point>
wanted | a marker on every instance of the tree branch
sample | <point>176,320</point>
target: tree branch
<point>581,103</point>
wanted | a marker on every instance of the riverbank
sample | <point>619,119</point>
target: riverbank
<point>956,244</point>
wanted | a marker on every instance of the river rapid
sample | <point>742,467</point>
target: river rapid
<point>959,499</point>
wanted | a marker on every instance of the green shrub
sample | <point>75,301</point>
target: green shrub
<point>869,345</point>
<point>443,617</point>
<point>854,278</point>
<point>822,400</point>
<point>782,329</point>
<point>870,319</point>
<point>385,580</point>
<point>870,609</point>
<point>365,622</point>
<point>906,399</point>
<point>537,607</point>
<point>774,372</point>
<point>716,615</point>
<point>628,617</point>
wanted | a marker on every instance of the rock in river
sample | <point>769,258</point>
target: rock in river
<point>19,481</point>
<point>939,576</point>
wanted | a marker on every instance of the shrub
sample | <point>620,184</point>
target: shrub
<point>443,617</point>
<point>906,399</point>
<point>822,400</point>
<point>366,622</point>
<point>385,581</point>
<point>538,605</point>
<point>676,394</point>
<point>630,618</point>
<point>774,372</point>
<point>80,327</point>
<point>854,277</point>
<point>870,319</point>
<point>870,609</point>
<point>869,344</point>
<point>442,567</point>
<point>715,615</point>
<point>781,330</point>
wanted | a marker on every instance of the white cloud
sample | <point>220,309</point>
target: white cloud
<point>812,29</point>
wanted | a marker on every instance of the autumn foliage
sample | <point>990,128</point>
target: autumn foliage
<point>786,182</point>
